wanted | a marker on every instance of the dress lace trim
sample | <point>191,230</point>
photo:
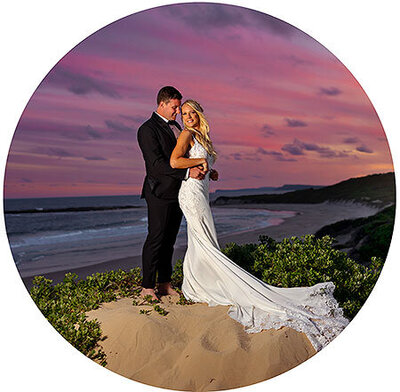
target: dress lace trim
<point>322,320</point>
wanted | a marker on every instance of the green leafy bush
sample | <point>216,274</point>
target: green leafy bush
<point>242,255</point>
<point>64,305</point>
<point>177,274</point>
<point>379,233</point>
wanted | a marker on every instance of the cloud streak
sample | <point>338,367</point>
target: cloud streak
<point>365,149</point>
<point>205,17</point>
<point>95,158</point>
<point>277,155</point>
<point>293,123</point>
<point>351,140</point>
<point>267,131</point>
<point>53,152</point>
<point>80,84</point>
<point>118,126</point>
<point>299,148</point>
<point>330,91</point>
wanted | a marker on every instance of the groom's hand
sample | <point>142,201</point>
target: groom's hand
<point>197,173</point>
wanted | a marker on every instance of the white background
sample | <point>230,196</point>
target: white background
<point>362,34</point>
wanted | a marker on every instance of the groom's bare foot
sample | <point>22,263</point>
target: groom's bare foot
<point>166,289</point>
<point>150,292</point>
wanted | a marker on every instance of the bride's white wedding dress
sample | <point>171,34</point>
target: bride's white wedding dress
<point>209,276</point>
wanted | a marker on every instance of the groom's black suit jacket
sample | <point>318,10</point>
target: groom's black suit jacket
<point>157,141</point>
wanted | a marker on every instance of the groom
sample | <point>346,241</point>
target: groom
<point>157,139</point>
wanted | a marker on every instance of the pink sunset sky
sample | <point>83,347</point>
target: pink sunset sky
<point>282,108</point>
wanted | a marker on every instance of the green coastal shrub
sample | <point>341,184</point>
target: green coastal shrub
<point>379,233</point>
<point>177,274</point>
<point>64,305</point>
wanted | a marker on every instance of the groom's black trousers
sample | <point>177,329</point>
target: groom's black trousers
<point>164,219</point>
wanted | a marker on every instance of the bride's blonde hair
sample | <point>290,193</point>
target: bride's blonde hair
<point>202,134</point>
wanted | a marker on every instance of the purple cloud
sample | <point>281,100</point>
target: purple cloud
<point>118,126</point>
<point>239,156</point>
<point>283,159</point>
<point>295,60</point>
<point>83,133</point>
<point>276,154</point>
<point>205,17</point>
<point>79,84</point>
<point>262,151</point>
<point>95,158</point>
<point>53,151</point>
<point>298,147</point>
<point>267,131</point>
<point>293,149</point>
<point>351,140</point>
<point>365,149</point>
<point>69,131</point>
<point>93,133</point>
<point>331,91</point>
<point>295,123</point>
<point>137,119</point>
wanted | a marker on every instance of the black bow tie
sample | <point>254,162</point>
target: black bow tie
<point>172,122</point>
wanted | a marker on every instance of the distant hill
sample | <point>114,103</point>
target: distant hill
<point>260,191</point>
<point>375,189</point>
<point>296,187</point>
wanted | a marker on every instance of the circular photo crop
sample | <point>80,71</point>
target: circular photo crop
<point>202,182</point>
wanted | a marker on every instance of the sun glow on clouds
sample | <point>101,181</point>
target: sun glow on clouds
<point>282,109</point>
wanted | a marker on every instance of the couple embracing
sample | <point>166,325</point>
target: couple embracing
<point>178,169</point>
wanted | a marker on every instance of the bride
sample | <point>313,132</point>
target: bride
<point>210,276</point>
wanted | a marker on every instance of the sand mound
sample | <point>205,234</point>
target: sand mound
<point>194,347</point>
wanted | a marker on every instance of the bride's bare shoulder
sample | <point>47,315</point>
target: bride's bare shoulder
<point>187,134</point>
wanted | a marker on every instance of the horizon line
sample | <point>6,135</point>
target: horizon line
<point>238,189</point>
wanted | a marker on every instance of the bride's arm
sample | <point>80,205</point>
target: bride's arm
<point>178,161</point>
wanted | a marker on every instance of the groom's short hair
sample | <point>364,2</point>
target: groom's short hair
<point>167,93</point>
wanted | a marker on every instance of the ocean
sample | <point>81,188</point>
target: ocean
<point>51,234</point>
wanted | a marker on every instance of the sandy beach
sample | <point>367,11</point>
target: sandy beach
<point>194,347</point>
<point>308,219</point>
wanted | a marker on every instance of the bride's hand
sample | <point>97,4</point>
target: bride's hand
<point>205,166</point>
